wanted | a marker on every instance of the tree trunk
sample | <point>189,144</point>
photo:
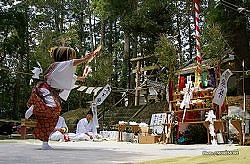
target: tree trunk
<point>133,65</point>
<point>102,32</point>
<point>127,61</point>
<point>110,43</point>
<point>189,6</point>
<point>241,49</point>
<point>116,69</point>
<point>127,57</point>
<point>90,27</point>
<point>178,22</point>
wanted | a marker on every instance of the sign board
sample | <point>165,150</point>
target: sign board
<point>103,95</point>
<point>221,90</point>
<point>156,122</point>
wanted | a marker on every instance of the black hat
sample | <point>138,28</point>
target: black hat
<point>60,54</point>
<point>90,112</point>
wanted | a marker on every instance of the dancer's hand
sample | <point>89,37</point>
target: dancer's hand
<point>88,57</point>
<point>81,78</point>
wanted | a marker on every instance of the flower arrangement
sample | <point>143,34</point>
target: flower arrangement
<point>232,117</point>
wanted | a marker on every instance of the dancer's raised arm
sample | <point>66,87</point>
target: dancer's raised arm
<point>86,58</point>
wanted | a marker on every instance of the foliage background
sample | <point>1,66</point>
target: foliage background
<point>127,29</point>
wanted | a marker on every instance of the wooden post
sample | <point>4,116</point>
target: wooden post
<point>137,84</point>
<point>238,125</point>
<point>121,128</point>
<point>206,124</point>
<point>23,132</point>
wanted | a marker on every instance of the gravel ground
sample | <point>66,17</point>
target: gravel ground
<point>29,151</point>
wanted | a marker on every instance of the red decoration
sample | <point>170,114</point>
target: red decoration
<point>181,83</point>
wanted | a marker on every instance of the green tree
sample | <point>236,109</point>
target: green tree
<point>234,25</point>
<point>214,44</point>
<point>167,57</point>
<point>15,56</point>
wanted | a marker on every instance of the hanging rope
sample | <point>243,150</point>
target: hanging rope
<point>240,10</point>
<point>17,72</point>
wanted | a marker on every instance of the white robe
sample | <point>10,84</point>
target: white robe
<point>57,135</point>
<point>83,128</point>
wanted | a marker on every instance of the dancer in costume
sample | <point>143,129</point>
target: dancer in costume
<point>44,101</point>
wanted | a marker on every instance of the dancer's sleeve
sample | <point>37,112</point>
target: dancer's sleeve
<point>62,76</point>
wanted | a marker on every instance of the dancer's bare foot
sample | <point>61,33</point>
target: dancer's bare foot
<point>45,146</point>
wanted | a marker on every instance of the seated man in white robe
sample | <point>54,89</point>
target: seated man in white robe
<point>59,131</point>
<point>86,129</point>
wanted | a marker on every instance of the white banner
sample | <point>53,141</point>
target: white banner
<point>187,95</point>
<point>82,88</point>
<point>221,90</point>
<point>96,90</point>
<point>103,95</point>
<point>94,110</point>
<point>167,93</point>
<point>89,90</point>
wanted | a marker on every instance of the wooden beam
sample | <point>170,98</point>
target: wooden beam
<point>141,58</point>
<point>147,68</point>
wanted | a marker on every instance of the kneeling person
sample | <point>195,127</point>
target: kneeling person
<point>59,133</point>
<point>86,129</point>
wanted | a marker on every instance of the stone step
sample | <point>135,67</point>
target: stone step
<point>112,117</point>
